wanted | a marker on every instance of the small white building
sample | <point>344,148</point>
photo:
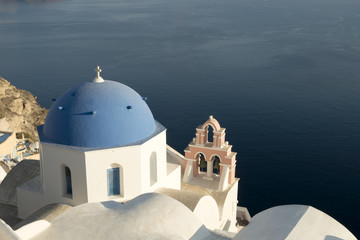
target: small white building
<point>7,144</point>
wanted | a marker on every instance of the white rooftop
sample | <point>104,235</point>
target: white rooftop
<point>293,222</point>
<point>148,216</point>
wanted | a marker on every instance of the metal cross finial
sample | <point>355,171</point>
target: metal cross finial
<point>98,71</point>
<point>98,78</point>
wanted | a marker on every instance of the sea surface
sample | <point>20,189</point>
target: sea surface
<point>282,76</point>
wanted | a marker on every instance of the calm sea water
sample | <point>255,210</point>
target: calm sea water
<point>282,76</point>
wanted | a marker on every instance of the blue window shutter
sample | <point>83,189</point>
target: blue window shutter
<point>113,176</point>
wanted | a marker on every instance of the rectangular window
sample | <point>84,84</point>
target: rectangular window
<point>113,177</point>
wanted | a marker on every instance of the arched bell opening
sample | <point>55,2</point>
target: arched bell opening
<point>200,158</point>
<point>216,164</point>
<point>210,134</point>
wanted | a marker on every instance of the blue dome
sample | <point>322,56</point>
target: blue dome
<point>98,114</point>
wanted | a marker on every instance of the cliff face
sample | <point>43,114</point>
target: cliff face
<point>19,110</point>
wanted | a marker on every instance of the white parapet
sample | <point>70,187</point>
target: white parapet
<point>32,229</point>
<point>188,171</point>
<point>7,233</point>
<point>242,213</point>
<point>224,178</point>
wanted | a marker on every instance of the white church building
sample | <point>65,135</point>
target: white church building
<point>106,172</point>
<point>101,142</point>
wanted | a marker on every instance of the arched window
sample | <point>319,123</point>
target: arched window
<point>216,165</point>
<point>153,168</point>
<point>202,162</point>
<point>210,134</point>
<point>68,180</point>
<point>113,181</point>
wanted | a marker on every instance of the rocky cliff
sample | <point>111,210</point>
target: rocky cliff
<point>19,110</point>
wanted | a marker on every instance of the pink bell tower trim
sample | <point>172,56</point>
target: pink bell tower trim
<point>202,151</point>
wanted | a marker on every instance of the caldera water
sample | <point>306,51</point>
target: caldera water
<point>281,76</point>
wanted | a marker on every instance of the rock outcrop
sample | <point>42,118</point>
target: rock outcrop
<point>19,110</point>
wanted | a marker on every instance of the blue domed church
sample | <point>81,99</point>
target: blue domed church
<point>99,141</point>
<point>100,145</point>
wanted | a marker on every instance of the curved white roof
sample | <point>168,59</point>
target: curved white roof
<point>148,216</point>
<point>293,222</point>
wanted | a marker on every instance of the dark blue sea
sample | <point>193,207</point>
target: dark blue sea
<point>282,76</point>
